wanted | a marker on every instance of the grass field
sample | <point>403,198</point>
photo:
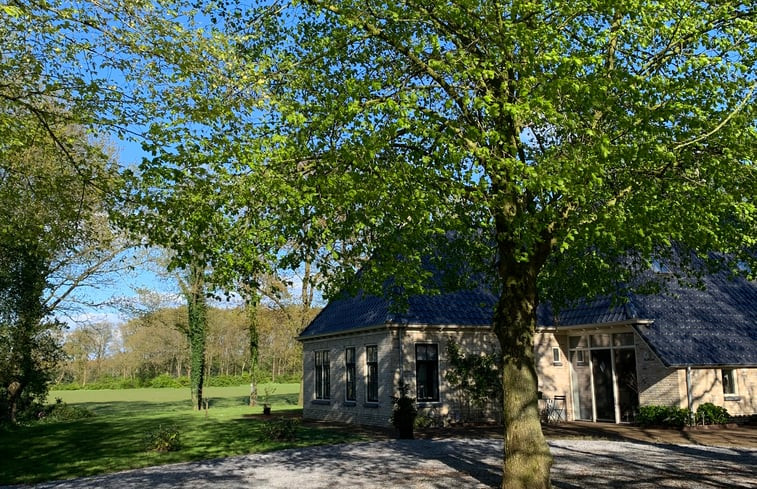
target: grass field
<point>114,438</point>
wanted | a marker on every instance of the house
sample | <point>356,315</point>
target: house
<point>682,348</point>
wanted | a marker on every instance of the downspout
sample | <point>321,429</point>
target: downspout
<point>402,356</point>
<point>689,395</point>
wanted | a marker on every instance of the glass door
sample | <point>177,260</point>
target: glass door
<point>604,400</point>
<point>628,393</point>
<point>581,381</point>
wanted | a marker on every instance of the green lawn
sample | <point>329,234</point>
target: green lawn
<point>113,439</point>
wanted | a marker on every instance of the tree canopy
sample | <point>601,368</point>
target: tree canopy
<point>52,241</point>
<point>561,143</point>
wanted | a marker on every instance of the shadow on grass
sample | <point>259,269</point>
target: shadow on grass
<point>115,439</point>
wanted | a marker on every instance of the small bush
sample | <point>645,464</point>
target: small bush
<point>60,411</point>
<point>227,380</point>
<point>423,421</point>
<point>671,416</point>
<point>280,429</point>
<point>404,412</point>
<point>163,439</point>
<point>709,413</point>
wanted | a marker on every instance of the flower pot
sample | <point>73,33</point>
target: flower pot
<point>406,433</point>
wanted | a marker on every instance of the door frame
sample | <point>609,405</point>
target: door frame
<point>585,343</point>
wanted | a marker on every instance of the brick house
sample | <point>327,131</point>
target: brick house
<point>683,347</point>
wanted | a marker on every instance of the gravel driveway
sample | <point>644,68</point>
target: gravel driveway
<point>447,463</point>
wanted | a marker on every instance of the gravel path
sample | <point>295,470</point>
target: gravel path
<point>447,463</point>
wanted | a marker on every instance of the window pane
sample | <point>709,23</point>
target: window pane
<point>600,340</point>
<point>427,372</point>
<point>578,342</point>
<point>729,384</point>
<point>326,380</point>
<point>622,339</point>
<point>349,360</point>
<point>371,355</point>
<point>322,374</point>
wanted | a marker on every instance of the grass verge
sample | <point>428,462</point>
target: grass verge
<point>114,438</point>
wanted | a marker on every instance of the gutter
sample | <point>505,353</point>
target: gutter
<point>595,326</point>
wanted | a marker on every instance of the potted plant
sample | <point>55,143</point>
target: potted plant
<point>404,413</point>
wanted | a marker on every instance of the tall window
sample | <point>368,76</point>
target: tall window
<point>729,382</point>
<point>349,368</point>
<point>322,375</point>
<point>427,372</point>
<point>371,364</point>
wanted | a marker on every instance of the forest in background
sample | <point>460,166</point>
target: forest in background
<point>152,350</point>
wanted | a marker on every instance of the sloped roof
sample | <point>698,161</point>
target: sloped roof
<point>460,308</point>
<point>714,326</point>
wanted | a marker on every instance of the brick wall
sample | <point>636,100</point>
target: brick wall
<point>451,405</point>
<point>707,386</point>
<point>554,376</point>
<point>658,385</point>
<point>337,408</point>
<point>387,340</point>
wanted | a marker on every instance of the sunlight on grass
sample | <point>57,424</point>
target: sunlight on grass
<point>114,439</point>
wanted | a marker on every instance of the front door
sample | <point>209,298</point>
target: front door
<point>628,392</point>
<point>604,399</point>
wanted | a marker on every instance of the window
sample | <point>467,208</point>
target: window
<point>349,368</point>
<point>322,375</point>
<point>427,372</point>
<point>371,379</point>
<point>659,266</point>
<point>729,382</point>
<point>580,359</point>
<point>555,355</point>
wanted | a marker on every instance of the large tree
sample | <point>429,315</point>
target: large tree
<point>565,144</point>
<point>52,241</point>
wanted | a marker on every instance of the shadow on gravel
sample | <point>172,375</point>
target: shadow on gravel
<point>209,473</point>
<point>446,463</point>
<point>638,465</point>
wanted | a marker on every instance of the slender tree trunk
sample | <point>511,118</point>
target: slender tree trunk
<point>527,460</point>
<point>198,318</point>
<point>252,322</point>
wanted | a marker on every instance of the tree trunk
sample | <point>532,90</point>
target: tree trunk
<point>252,324</point>
<point>14,394</point>
<point>198,318</point>
<point>527,459</point>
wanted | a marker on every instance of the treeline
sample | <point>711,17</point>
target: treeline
<point>153,351</point>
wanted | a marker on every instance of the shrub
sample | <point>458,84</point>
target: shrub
<point>227,380</point>
<point>423,421</point>
<point>404,412</point>
<point>671,416</point>
<point>163,439</point>
<point>164,380</point>
<point>60,411</point>
<point>709,413</point>
<point>280,429</point>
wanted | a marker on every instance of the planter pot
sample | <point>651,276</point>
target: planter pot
<point>406,432</point>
